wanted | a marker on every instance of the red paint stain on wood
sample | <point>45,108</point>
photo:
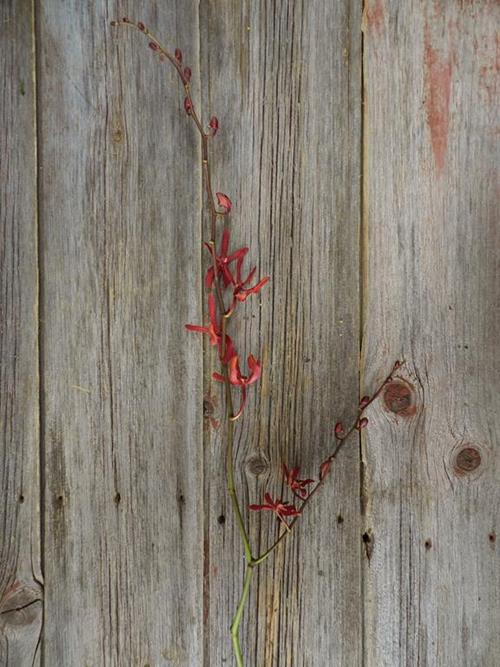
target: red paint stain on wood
<point>438,73</point>
<point>375,14</point>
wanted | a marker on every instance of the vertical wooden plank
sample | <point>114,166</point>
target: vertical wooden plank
<point>21,595</point>
<point>284,80</point>
<point>121,237</point>
<point>433,294</point>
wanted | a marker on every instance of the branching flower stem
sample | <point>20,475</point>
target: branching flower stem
<point>225,313</point>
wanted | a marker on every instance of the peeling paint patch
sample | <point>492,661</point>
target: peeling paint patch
<point>438,71</point>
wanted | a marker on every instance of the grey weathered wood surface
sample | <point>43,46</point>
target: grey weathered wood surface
<point>20,567</point>
<point>141,562</point>
<point>120,239</point>
<point>432,294</point>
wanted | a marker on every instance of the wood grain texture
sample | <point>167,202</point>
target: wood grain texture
<point>432,234</point>
<point>21,591</point>
<point>284,80</point>
<point>120,238</point>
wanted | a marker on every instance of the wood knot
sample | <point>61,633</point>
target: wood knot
<point>467,460</point>
<point>399,398</point>
<point>21,604</point>
<point>257,465</point>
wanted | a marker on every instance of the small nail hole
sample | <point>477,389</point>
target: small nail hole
<point>340,519</point>
<point>221,520</point>
<point>21,498</point>
<point>366,538</point>
<point>492,537</point>
<point>428,544</point>
<point>117,498</point>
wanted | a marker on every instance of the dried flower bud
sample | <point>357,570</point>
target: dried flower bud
<point>324,469</point>
<point>364,402</point>
<point>214,125</point>
<point>153,46</point>
<point>141,26</point>
<point>224,201</point>
<point>188,105</point>
<point>339,429</point>
<point>187,74</point>
<point>113,23</point>
<point>363,423</point>
<point>178,55</point>
<point>125,19</point>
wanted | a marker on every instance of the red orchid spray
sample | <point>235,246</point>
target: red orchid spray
<point>227,288</point>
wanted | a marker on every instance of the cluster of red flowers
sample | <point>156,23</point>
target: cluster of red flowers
<point>299,487</point>
<point>229,279</point>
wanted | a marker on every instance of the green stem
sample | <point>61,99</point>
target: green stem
<point>235,625</point>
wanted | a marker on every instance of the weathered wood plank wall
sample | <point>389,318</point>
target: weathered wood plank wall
<point>362,167</point>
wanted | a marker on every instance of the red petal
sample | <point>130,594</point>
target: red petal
<point>224,244</point>
<point>209,277</point>
<point>212,312</point>
<point>255,368</point>
<point>218,377</point>
<point>243,402</point>
<point>227,276</point>
<point>238,254</point>
<point>268,498</point>
<point>257,508</point>
<point>230,351</point>
<point>195,327</point>
<point>224,201</point>
<point>234,371</point>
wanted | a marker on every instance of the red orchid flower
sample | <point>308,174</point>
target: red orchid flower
<point>281,508</point>
<point>223,260</point>
<point>298,486</point>
<point>239,380</point>
<point>240,292</point>
<point>213,330</point>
